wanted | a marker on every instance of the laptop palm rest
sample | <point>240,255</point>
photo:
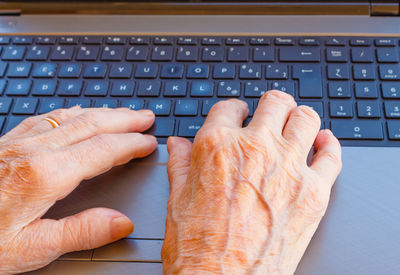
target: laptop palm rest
<point>359,234</point>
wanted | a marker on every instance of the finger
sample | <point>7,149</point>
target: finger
<point>180,152</point>
<point>60,116</point>
<point>229,113</point>
<point>89,229</point>
<point>327,161</point>
<point>93,123</point>
<point>97,155</point>
<point>273,111</point>
<point>302,128</point>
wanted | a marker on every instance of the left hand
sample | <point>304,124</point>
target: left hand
<point>40,165</point>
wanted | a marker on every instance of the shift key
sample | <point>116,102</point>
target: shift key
<point>357,129</point>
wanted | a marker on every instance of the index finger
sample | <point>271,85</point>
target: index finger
<point>229,113</point>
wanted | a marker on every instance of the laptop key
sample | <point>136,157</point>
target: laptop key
<point>362,55</point>
<point>87,53</point>
<point>186,107</point>
<point>133,104</point>
<point>299,55</point>
<point>18,87</point>
<point>310,80</point>
<point>95,70</point>
<point>139,40</point>
<point>38,53</point>
<point>341,109</point>
<point>339,90</point>
<point>96,88</point>
<point>187,54</point>
<point>92,40</point>
<point>263,54</point>
<point>389,72</point>
<point>338,72</point>
<point>360,42</point>
<point>202,89</point>
<point>387,55</point>
<point>122,88</point>
<point>207,104</point>
<point>25,106</point>
<point>368,109</point>
<point>224,71</point>
<point>213,54</point>
<point>68,40</point>
<point>14,53</point>
<point>20,70</point>
<point>112,53</point>
<point>235,41</point>
<point>190,127</point>
<point>44,87</point>
<point>255,88</point>
<point>284,41</point>
<point>70,70</point>
<point>162,127</point>
<point>393,130</point>
<point>277,71</point>
<point>120,71</point>
<point>105,103</point>
<point>163,40</point>
<point>211,41</point>
<point>162,54</point>
<point>392,109</point>
<point>50,104</point>
<point>116,40</point>
<point>175,88</point>
<point>44,70</point>
<point>250,71</point>
<point>5,105</point>
<point>346,129</point>
<point>70,88</point>
<point>137,53</point>
<point>390,90</point>
<point>149,88</point>
<point>263,41</point>
<point>385,42</point>
<point>160,107</point>
<point>228,89</point>
<point>83,103</point>
<point>366,90</point>
<point>172,71</point>
<point>146,71</point>
<point>62,53</point>
<point>364,72</point>
<point>12,122</point>
<point>336,55</point>
<point>335,41</point>
<point>238,54</point>
<point>198,71</point>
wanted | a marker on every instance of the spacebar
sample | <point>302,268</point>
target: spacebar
<point>357,129</point>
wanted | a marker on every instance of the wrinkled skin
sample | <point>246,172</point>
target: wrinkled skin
<point>244,200</point>
<point>40,165</point>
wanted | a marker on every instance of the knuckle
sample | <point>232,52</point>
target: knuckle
<point>87,120</point>
<point>279,95</point>
<point>212,136</point>
<point>102,142</point>
<point>308,113</point>
<point>333,158</point>
<point>61,114</point>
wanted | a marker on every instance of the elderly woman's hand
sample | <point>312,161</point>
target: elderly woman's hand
<point>40,165</point>
<point>244,200</point>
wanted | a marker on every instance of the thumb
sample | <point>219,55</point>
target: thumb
<point>45,240</point>
<point>180,152</point>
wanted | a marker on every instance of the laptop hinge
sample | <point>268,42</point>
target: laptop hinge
<point>13,12</point>
<point>385,9</point>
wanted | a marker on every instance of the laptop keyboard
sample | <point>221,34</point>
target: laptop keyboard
<point>352,82</point>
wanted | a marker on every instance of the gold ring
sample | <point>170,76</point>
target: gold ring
<point>52,122</point>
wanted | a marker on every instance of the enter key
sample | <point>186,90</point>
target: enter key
<point>310,80</point>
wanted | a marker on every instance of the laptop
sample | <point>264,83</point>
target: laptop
<point>178,59</point>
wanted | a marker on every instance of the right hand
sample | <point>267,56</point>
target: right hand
<point>244,200</point>
<point>40,165</point>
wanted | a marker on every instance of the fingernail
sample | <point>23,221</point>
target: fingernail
<point>121,227</point>
<point>147,113</point>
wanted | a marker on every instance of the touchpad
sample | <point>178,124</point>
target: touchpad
<point>139,189</point>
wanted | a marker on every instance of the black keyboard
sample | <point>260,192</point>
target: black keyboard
<point>352,82</point>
